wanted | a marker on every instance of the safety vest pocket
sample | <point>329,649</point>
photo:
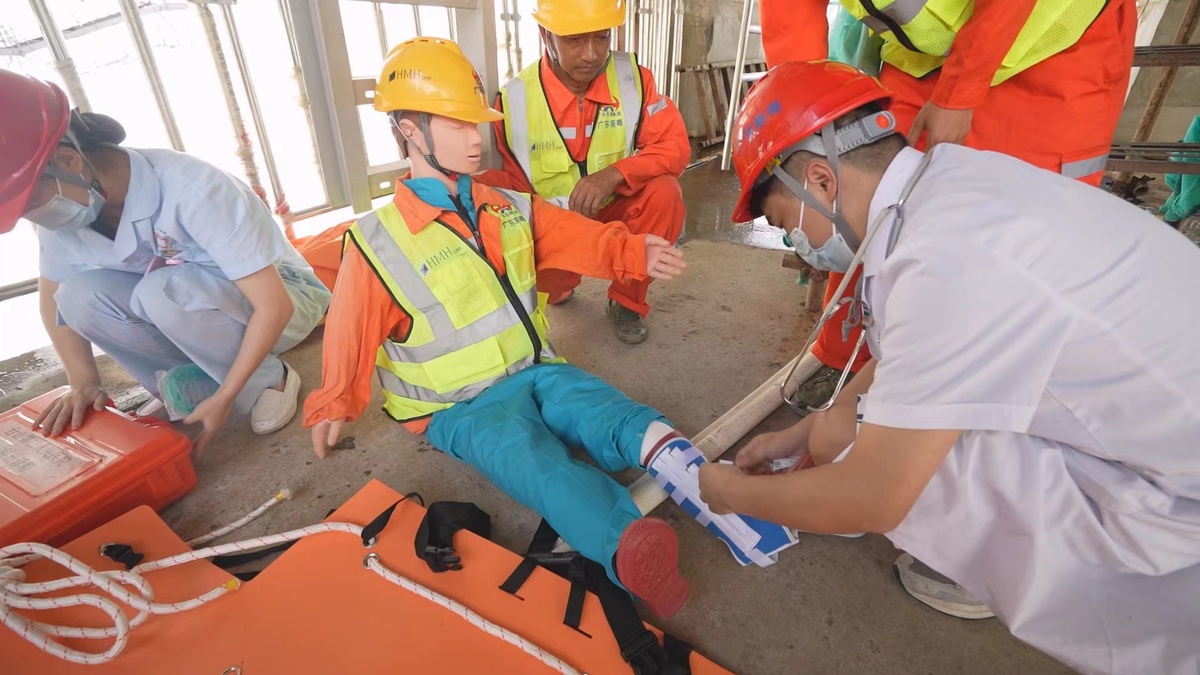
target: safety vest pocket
<point>469,365</point>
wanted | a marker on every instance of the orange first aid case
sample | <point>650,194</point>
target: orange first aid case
<point>54,489</point>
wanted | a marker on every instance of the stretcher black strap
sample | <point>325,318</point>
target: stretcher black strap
<point>122,553</point>
<point>370,533</point>
<point>639,647</point>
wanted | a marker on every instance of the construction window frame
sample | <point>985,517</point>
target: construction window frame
<point>325,63</point>
<point>334,95</point>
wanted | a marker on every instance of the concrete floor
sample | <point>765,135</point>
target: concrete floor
<point>831,605</point>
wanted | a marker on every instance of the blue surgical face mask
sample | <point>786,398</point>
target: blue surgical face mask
<point>834,255</point>
<point>64,213</point>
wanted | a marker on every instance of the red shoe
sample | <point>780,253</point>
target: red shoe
<point>560,297</point>
<point>647,563</point>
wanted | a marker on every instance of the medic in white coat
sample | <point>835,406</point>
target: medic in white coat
<point>1031,425</point>
<point>156,257</point>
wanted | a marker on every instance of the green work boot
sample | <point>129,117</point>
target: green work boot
<point>628,324</point>
<point>815,391</point>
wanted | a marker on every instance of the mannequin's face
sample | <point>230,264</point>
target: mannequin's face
<point>458,145</point>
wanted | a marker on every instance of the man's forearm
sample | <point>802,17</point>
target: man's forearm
<point>73,349</point>
<point>822,499</point>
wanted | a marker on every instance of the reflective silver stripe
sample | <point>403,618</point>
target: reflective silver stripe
<point>627,91</point>
<point>400,267</point>
<point>1085,167</point>
<point>568,133</point>
<point>878,27</point>
<point>517,116</point>
<point>392,383</point>
<point>587,131</point>
<point>904,11</point>
<point>488,326</point>
<point>657,106</point>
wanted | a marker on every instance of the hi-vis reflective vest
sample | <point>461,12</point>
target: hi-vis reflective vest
<point>539,145</point>
<point>918,33</point>
<point>470,325</point>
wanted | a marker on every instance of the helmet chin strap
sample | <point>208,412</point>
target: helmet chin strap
<point>802,193</point>
<point>427,154</point>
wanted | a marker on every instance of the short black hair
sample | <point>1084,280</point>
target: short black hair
<point>873,157</point>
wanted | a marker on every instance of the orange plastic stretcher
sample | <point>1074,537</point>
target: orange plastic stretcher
<point>316,609</point>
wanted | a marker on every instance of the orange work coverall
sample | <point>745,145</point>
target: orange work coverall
<point>1061,110</point>
<point>363,314</point>
<point>650,201</point>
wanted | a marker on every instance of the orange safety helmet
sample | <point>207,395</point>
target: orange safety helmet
<point>575,17</point>
<point>34,115</point>
<point>433,76</point>
<point>793,108</point>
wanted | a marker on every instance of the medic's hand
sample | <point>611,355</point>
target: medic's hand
<point>326,434</point>
<point>756,456</point>
<point>70,408</point>
<point>663,260</point>
<point>590,192</point>
<point>940,125</point>
<point>213,412</point>
<point>716,481</point>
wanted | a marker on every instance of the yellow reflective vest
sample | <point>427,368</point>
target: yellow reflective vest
<point>539,145</point>
<point>918,34</point>
<point>471,325</point>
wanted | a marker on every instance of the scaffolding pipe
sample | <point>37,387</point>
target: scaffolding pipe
<point>452,23</point>
<point>252,100</point>
<point>138,32</point>
<point>505,18</point>
<point>516,22</point>
<point>735,89</point>
<point>62,59</point>
<point>244,152</point>
<point>380,29</point>
<point>417,20</point>
<point>676,47</point>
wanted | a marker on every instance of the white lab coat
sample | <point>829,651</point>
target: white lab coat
<point>1057,326</point>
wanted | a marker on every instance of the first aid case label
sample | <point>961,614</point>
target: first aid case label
<point>33,462</point>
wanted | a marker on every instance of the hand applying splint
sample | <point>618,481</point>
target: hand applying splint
<point>715,483</point>
<point>663,260</point>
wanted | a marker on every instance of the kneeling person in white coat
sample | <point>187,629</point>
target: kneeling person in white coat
<point>158,258</point>
<point>1030,425</point>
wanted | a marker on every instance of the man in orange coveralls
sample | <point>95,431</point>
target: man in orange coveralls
<point>1042,81</point>
<point>585,128</point>
<point>436,295</point>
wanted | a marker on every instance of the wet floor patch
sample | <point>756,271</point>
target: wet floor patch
<point>710,194</point>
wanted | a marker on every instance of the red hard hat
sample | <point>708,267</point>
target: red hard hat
<point>792,102</point>
<point>33,117</point>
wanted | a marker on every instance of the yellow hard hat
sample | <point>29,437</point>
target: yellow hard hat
<point>572,17</point>
<point>432,75</point>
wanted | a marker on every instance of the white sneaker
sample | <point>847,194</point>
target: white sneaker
<point>274,409</point>
<point>938,591</point>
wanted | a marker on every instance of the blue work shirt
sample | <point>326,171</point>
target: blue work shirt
<point>433,192</point>
<point>182,209</point>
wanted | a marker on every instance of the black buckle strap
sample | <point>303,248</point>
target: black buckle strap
<point>122,553</point>
<point>370,533</point>
<point>639,646</point>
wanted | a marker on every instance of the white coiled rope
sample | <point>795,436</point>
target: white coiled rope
<point>16,594</point>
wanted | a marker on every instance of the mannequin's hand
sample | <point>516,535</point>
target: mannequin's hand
<point>663,260</point>
<point>326,434</point>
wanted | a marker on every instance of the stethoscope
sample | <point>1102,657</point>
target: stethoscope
<point>859,312</point>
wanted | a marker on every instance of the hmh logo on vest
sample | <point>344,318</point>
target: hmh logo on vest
<point>440,257</point>
<point>538,146</point>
